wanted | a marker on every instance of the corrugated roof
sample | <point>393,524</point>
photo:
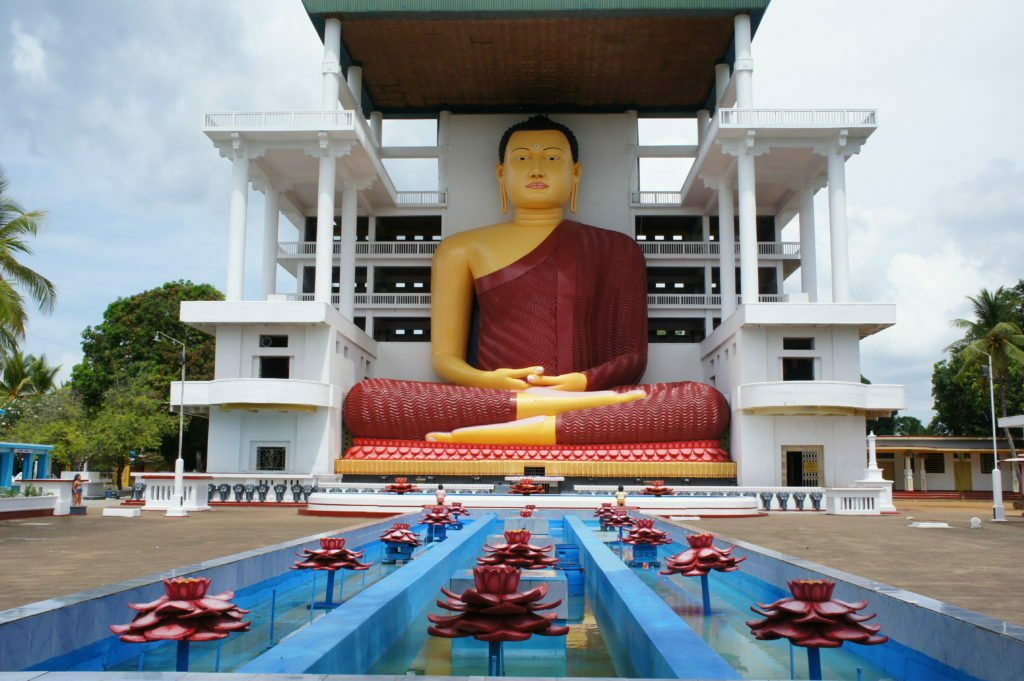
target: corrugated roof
<point>655,56</point>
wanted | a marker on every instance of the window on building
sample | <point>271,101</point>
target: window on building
<point>362,228</point>
<point>675,329</point>
<point>797,343</point>
<point>675,280</point>
<point>401,329</point>
<point>401,280</point>
<point>765,228</point>
<point>669,227</point>
<point>988,462</point>
<point>273,341</point>
<point>271,458</point>
<point>275,367</point>
<point>797,368</point>
<point>533,470</point>
<point>408,228</point>
<point>935,463</point>
<point>767,281</point>
<point>360,322</point>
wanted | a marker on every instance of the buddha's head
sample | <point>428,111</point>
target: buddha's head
<point>538,165</point>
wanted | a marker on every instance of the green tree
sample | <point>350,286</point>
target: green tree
<point>959,401</point>
<point>26,375</point>
<point>131,419</point>
<point>993,333</point>
<point>55,418</point>
<point>121,348</point>
<point>121,351</point>
<point>16,280</point>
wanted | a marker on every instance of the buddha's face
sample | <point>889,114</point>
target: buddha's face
<point>538,171</point>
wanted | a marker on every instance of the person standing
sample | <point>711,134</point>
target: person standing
<point>620,496</point>
<point>439,495</point>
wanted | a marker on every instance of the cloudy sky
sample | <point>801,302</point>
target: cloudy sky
<point>103,103</point>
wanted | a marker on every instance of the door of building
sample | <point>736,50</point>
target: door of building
<point>802,466</point>
<point>888,470</point>
<point>962,472</point>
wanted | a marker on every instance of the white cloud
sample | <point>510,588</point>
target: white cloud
<point>29,57</point>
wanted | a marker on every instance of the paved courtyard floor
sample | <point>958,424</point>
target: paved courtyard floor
<point>974,569</point>
<point>45,557</point>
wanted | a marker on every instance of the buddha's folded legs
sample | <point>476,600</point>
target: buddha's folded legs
<point>409,410</point>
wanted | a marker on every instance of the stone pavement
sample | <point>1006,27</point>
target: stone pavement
<point>974,569</point>
<point>45,557</point>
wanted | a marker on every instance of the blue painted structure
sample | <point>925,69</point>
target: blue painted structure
<point>36,461</point>
<point>350,640</point>
<point>650,640</point>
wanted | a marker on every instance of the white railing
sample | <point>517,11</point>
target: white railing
<point>854,501</point>
<point>684,299</point>
<point>363,248</point>
<point>279,120</point>
<point>656,198</point>
<point>702,248</point>
<point>159,493</point>
<point>396,247</point>
<point>797,118</point>
<point>774,500</point>
<point>309,297</point>
<point>392,299</point>
<point>421,198</point>
<point>766,298</point>
<point>328,485</point>
<point>783,248</point>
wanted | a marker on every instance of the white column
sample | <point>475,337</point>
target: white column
<point>908,473</point>
<point>324,229</point>
<point>748,226</point>
<point>331,64</point>
<point>443,121</point>
<point>837,227</point>
<point>703,120</point>
<point>354,79</point>
<point>377,126</point>
<point>271,216</point>
<point>722,75</point>
<point>236,224</point>
<point>922,475</point>
<point>347,280</point>
<point>726,248</point>
<point>744,63</point>
<point>808,251</point>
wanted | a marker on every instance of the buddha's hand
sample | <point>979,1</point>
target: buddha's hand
<point>510,379</point>
<point>573,382</point>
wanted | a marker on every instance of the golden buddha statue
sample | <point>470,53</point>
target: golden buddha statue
<point>539,326</point>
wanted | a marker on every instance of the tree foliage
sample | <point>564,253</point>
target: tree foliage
<point>16,280</point>
<point>121,350</point>
<point>55,418</point>
<point>23,375</point>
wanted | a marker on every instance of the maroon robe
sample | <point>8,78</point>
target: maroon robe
<point>575,303</point>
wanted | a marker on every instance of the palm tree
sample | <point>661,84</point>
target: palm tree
<point>24,375</point>
<point>16,224</point>
<point>994,333</point>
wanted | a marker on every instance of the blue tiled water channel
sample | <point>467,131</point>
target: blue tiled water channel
<point>628,622</point>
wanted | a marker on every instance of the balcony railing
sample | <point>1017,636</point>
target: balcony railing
<point>421,198</point>
<point>694,300</point>
<point>363,248</point>
<point>656,199</point>
<point>683,300</point>
<point>392,300</point>
<point>711,248</point>
<point>797,118</point>
<point>280,120</point>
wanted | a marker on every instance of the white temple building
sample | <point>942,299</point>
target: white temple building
<point>359,250</point>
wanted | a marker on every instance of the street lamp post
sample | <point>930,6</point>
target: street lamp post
<point>177,508</point>
<point>998,512</point>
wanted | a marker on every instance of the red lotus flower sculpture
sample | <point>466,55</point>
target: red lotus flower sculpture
<point>526,486</point>
<point>701,558</point>
<point>495,610</point>
<point>457,507</point>
<point>526,513</point>
<point>184,613</point>
<point>518,552</point>
<point>644,533</point>
<point>401,486</point>
<point>658,489</point>
<point>438,515</point>
<point>332,555</point>
<point>399,533</point>
<point>606,511</point>
<point>813,619</point>
<point>619,518</point>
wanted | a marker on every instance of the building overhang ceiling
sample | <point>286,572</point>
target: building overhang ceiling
<point>489,56</point>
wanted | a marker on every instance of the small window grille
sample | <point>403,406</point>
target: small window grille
<point>988,462</point>
<point>270,458</point>
<point>797,343</point>
<point>935,463</point>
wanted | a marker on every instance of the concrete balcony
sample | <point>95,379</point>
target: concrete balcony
<point>798,119</point>
<point>255,393</point>
<point>793,398</point>
<point>422,250</point>
<point>789,250</point>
